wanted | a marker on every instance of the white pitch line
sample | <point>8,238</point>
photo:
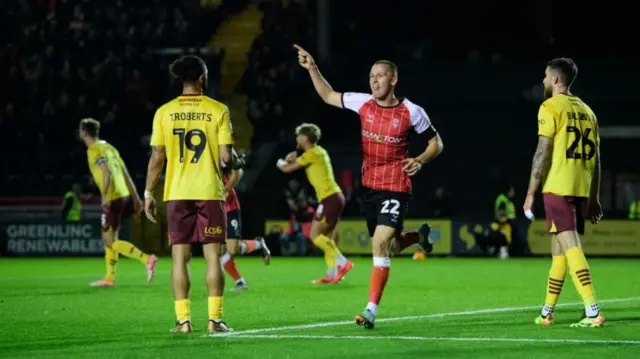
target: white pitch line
<point>375,337</point>
<point>410,317</point>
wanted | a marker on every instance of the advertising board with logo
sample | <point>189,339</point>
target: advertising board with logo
<point>607,238</point>
<point>52,238</point>
<point>353,236</point>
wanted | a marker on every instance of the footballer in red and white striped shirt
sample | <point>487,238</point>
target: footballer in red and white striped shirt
<point>386,122</point>
<point>235,244</point>
<point>385,138</point>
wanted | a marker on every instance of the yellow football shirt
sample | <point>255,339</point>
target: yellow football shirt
<point>319,171</point>
<point>102,152</point>
<point>574,129</point>
<point>192,128</point>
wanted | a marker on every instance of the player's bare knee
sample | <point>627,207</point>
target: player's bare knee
<point>232,247</point>
<point>108,237</point>
<point>556,247</point>
<point>380,247</point>
<point>181,254</point>
<point>382,240</point>
<point>568,240</point>
<point>212,250</point>
<point>319,228</point>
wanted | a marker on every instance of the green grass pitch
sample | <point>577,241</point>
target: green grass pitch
<point>438,308</point>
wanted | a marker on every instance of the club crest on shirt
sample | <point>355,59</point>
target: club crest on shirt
<point>396,123</point>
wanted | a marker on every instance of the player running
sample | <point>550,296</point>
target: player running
<point>317,164</point>
<point>116,186</point>
<point>235,244</point>
<point>386,121</point>
<point>568,159</point>
<point>193,133</point>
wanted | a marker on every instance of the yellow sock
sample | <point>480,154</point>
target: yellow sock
<point>110,259</point>
<point>557,273</point>
<point>183,310</point>
<point>332,257</point>
<point>127,249</point>
<point>581,276</point>
<point>215,308</point>
<point>329,248</point>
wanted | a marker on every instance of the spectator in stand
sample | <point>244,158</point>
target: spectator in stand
<point>440,204</point>
<point>71,205</point>
<point>268,80</point>
<point>83,58</point>
<point>299,230</point>
<point>346,182</point>
<point>293,194</point>
<point>350,183</point>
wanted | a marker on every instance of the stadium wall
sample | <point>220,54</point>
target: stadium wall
<point>34,227</point>
<point>455,237</point>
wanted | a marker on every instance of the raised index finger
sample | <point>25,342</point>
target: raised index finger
<point>299,48</point>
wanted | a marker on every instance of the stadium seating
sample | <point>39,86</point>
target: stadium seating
<point>73,59</point>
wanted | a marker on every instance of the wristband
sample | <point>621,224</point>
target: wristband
<point>148,194</point>
<point>281,163</point>
<point>529,214</point>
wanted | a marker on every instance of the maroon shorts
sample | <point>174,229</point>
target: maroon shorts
<point>565,213</point>
<point>330,209</point>
<point>113,213</point>
<point>192,221</point>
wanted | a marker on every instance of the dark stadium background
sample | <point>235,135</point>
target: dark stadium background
<point>476,67</point>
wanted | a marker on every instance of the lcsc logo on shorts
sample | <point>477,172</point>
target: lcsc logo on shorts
<point>213,231</point>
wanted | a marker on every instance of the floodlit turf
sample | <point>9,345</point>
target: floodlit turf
<point>49,311</point>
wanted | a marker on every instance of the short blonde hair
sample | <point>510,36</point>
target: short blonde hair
<point>91,126</point>
<point>312,131</point>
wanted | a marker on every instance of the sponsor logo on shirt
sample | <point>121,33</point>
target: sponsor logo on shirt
<point>381,138</point>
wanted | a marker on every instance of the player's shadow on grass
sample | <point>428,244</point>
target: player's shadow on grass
<point>620,309</point>
<point>39,345</point>
<point>435,349</point>
<point>631,318</point>
<point>339,286</point>
<point>52,292</point>
<point>144,288</point>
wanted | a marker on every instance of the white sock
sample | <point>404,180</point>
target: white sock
<point>341,260</point>
<point>592,310</point>
<point>332,272</point>
<point>243,248</point>
<point>546,310</point>
<point>258,244</point>
<point>225,258</point>
<point>372,307</point>
<point>381,262</point>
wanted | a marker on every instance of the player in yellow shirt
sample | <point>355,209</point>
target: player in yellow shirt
<point>112,178</point>
<point>193,134</point>
<point>317,164</point>
<point>568,160</point>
